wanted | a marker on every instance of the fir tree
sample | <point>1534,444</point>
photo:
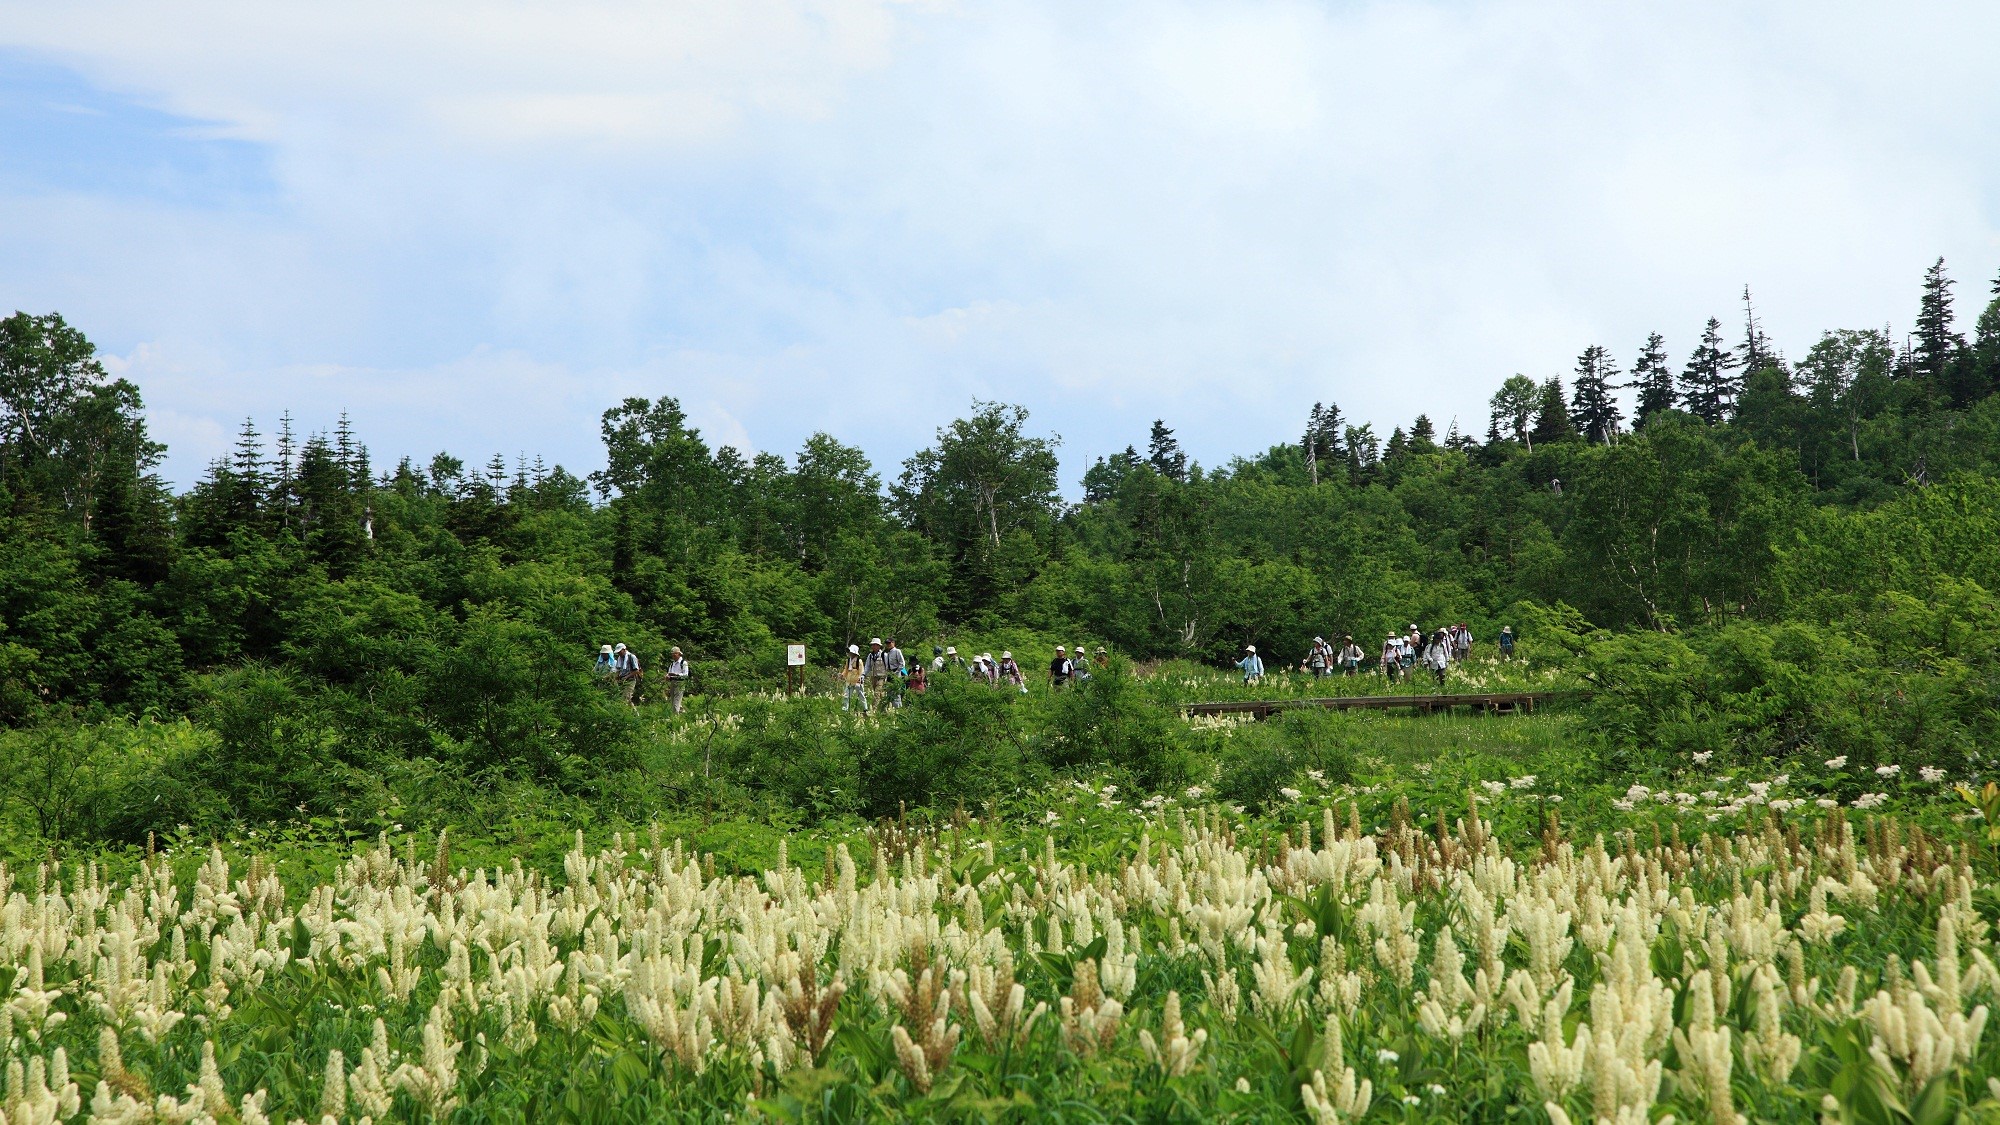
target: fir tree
<point>1709,384</point>
<point>1552,414</point>
<point>1653,378</point>
<point>1423,435</point>
<point>1164,454</point>
<point>1936,346</point>
<point>1322,440</point>
<point>1593,409</point>
<point>1983,361</point>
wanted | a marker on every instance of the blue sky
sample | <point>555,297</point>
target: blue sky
<point>474,227</point>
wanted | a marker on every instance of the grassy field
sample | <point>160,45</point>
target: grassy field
<point>1470,925</point>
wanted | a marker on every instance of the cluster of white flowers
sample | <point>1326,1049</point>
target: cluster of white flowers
<point>704,968</point>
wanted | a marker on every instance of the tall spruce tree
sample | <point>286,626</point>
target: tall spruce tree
<point>1935,347</point>
<point>1593,409</point>
<point>1163,453</point>
<point>1552,422</point>
<point>1709,384</point>
<point>1322,441</point>
<point>1653,378</point>
<point>1423,435</point>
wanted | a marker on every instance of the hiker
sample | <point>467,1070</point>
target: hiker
<point>677,678</point>
<point>1506,642</point>
<point>1413,647</point>
<point>1350,655</point>
<point>1252,665</point>
<point>1437,657</point>
<point>603,668</point>
<point>899,667</point>
<point>950,659</point>
<point>851,675</point>
<point>1080,666</point>
<point>1059,669</point>
<point>917,679</point>
<point>875,669</point>
<point>937,659</point>
<point>1392,656</point>
<point>1316,658</point>
<point>1010,672</point>
<point>625,666</point>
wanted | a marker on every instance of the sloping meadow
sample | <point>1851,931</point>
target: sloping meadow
<point>1181,963</point>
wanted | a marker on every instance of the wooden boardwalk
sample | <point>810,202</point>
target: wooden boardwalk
<point>1496,702</point>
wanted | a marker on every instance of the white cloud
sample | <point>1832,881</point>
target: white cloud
<point>494,220</point>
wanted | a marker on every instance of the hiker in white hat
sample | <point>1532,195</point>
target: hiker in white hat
<point>851,677</point>
<point>1059,669</point>
<point>875,668</point>
<point>1010,671</point>
<point>1251,664</point>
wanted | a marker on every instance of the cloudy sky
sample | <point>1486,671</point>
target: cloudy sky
<point>475,226</point>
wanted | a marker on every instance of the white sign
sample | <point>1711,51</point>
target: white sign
<point>795,656</point>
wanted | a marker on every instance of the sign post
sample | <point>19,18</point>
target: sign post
<point>795,669</point>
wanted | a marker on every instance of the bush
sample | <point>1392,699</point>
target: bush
<point>794,753</point>
<point>1258,764</point>
<point>1110,722</point>
<point>958,741</point>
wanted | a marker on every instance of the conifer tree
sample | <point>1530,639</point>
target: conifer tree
<point>1552,421</point>
<point>1709,384</point>
<point>1983,360</point>
<point>1755,353</point>
<point>1593,409</point>
<point>1163,453</point>
<point>1322,441</point>
<point>1653,378</point>
<point>1936,346</point>
<point>1423,435</point>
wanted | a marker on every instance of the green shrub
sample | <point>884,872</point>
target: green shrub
<point>958,741</point>
<point>1259,763</point>
<point>1110,722</point>
<point>795,752</point>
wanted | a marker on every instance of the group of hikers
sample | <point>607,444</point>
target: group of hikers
<point>1401,654</point>
<point>618,666</point>
<point>888,674</point>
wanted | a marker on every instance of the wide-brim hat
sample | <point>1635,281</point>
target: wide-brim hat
<point>606,648</point>
<point>855,649</point>
<point>950,650</point>
<point>1249,648</point>
<point>874,640</point>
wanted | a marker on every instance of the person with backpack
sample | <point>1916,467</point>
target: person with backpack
<point>1010,672</point>
<point>1080,665</point>
<point>875,670</point>
<point>1413,647</point>
<point>1461,642</point>
<point>604,669</point>
<point>625,666</point>
<point>1437,656</point>
<point>851,677</point>
<point>1059,669</point>
<point>1392,657</point>
<point>677,678</point>
<point>1252,665</point>
<point>918,679</point>
<point>1316,658</point>
<point>1506,642</point>
<point>1350,656</point>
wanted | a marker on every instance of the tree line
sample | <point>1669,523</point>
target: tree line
<point>448,603</point>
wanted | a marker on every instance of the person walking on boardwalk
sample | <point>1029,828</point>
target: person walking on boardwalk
<point>1506,642</point>
<point>1251,664</point>
<point>677,678</point>
<point>1437,656</point>
<point>1059,669</point>
<point>851,677</point>
<point>1350,656</point>
<point>625,666</point>
<point>1392,656</point>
